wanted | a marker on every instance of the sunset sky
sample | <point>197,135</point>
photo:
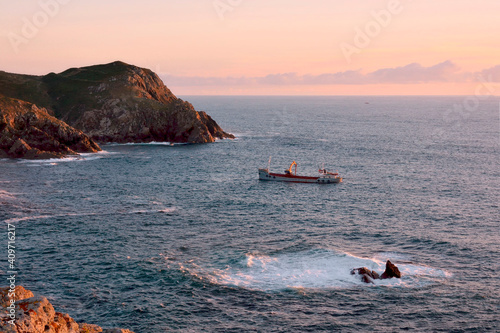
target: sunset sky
<point>266,47</point>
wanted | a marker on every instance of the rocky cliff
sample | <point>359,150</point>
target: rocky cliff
<point>35,314</point>
<point>115,102</point>
<point>27,131</point>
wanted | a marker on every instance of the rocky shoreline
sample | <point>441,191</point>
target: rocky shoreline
<point>35,314</point>
<point>27,131</point>
<point>63,114</point>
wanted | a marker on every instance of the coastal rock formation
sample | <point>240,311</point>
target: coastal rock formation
<point>35,314</point>
<point>368,275</point>
<point>390,271</point>
<point>27,131</point>
<point>115,102</point>
<point>19,294</point>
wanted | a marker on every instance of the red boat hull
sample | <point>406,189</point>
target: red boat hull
<point>324,179</point>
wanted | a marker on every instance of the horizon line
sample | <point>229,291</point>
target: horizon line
<point>294,95</point>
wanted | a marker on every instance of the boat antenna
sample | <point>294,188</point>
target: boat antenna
<point>269,164</point>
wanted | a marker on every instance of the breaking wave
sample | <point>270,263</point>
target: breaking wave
<point>152,143</point>
<point>78,158</point>
<point>4,195</point>
<point>159,210</point>
<point>313,269</point>
<point>169,210</point>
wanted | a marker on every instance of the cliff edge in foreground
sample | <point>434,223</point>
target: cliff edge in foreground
<point>27,131</point>
<point>115,102</point>
<point>35,314</point>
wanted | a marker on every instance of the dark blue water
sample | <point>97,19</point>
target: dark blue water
<point>186,238</point>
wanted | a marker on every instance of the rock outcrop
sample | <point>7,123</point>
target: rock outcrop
<point>115,102</point>
<point>27,131</point>
<point>390,271</point>
<point>368,275</point>
<point>35,314</point>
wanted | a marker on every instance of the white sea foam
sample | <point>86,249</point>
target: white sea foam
<point>149,211</point>
<point>39,217</point>
<point>168,210</point>
<point>394,256</point>
<point>242,135</point>
<point>6,195</point>
<point>314,269</point>
<point>78,158</point>
<point>226,139</point>
<point>27,218</point>
<point>152,143</point>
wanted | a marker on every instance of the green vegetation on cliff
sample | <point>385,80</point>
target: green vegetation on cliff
<point>114,102</point>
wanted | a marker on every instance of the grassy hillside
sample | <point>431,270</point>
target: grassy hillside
<point>114,102</point>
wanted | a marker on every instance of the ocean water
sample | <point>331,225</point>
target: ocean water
<point>185,238</point>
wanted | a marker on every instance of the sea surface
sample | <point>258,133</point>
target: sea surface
<point>185,238</point>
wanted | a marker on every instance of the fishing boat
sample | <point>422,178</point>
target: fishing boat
<point>325,177</point>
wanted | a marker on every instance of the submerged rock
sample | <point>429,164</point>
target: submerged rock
<point>368,275</point>
<point>35,314</point>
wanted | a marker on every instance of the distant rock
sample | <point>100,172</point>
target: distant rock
<point>390,271</point>
<point>368,275</point>
<point>35,314</point>
<point>115,102</point>
<point>27,131</point>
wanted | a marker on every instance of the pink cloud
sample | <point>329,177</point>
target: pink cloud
<point>414,73</point>
<point>491,74</point>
